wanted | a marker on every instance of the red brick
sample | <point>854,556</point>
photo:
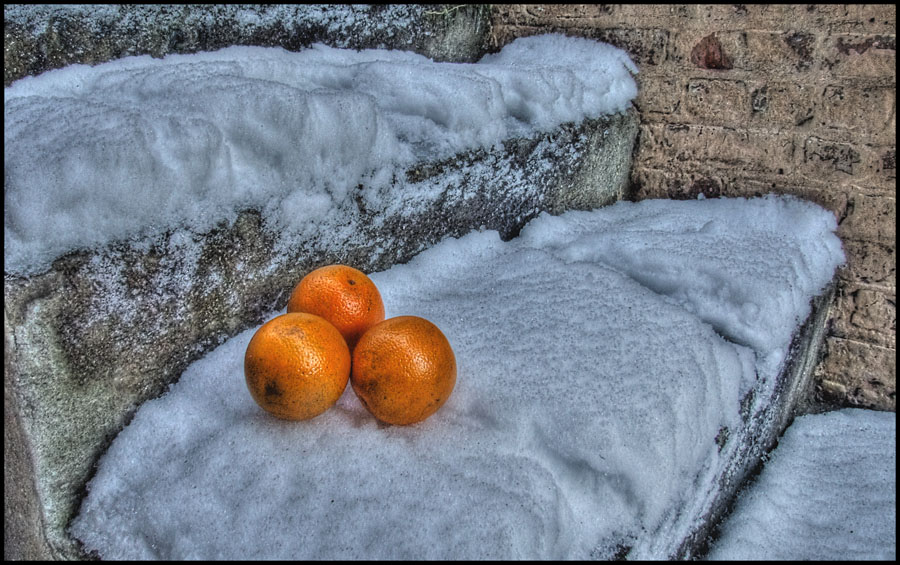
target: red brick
<point>684,43</point>
<point>709,54</point>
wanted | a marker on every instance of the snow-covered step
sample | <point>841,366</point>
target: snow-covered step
<point>619,371</point>
<point>157,207</point>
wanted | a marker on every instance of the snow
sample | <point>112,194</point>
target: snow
<point>829,492</point>
<point>603,356</point>
<point>137,146</point>
<point>590,396</point>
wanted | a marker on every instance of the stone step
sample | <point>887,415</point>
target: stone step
<point>80,354</point>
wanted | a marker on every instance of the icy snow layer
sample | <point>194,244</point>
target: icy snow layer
<point>584,422</point>
<point>137,146</point>
<point>829,492</point>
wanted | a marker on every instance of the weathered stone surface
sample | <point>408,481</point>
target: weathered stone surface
<point>713,180</point>
<point>22,536</point>
<point>44,37</point>
<point>660,98</point>
<point>846,109</point>
<point>860,55</point>
<point>754,150</point>
<point>852,164</point>
<point>858,374</point>
<point>782,104</point>
<point>866,314</point>
<point>871,218</point>
<point>780,52</point>
<point>836,160</point>
<point>106,329</point>
<point>728,100</point>
<point>646,47</point>
<point>872,263</point>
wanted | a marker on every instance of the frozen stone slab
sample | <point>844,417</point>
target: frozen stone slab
<point>44,37</point>
<point>594,416</point>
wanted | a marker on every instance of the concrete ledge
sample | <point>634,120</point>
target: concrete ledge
<point>105,329</point>
<point>39,38</point>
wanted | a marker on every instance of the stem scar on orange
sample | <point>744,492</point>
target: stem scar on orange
<point>296,366</point>
<point>403,370</point>
<point>344,296</point>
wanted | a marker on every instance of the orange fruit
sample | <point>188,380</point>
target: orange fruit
<point>296,366</point>
<point>344,296</point>
<point>403,370</point>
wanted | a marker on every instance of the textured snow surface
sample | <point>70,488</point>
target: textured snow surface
<point>829,492</point>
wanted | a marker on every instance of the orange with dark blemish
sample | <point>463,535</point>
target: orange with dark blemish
<point>403,370</point>
<point>297,366</point>
<point>344,296</point>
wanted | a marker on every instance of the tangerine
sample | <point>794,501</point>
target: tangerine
<point>403,370</point>
<point>296,366</point>
<point>344,296</point>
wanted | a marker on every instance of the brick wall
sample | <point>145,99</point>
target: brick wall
<point>742,100</point>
